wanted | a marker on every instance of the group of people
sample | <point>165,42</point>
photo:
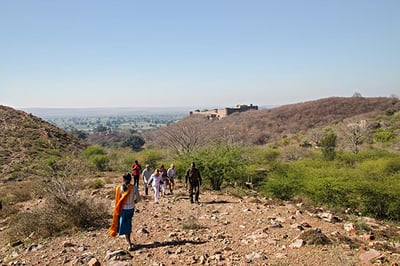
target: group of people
<point>159,179</point>
<point>128,194</point>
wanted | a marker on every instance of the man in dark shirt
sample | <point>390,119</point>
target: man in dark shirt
<point>194,178</point>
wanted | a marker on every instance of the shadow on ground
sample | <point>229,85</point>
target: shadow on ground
<point>167,244</point>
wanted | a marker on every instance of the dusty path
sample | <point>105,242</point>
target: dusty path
<point>222,230</point>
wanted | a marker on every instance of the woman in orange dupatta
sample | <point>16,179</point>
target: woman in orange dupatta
<point>124,209</point>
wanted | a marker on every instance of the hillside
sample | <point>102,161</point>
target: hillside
<point>27,141</point>
<point>270,125</point>
<point>225,229</point>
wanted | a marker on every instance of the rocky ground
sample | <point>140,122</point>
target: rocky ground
<point>221,230</point>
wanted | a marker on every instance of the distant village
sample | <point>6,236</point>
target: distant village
<point>224,112</point>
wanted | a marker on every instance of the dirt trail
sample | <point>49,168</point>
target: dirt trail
<point>222,230</point>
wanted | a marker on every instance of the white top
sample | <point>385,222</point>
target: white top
<point>130,202</point>
<point>155,180</point>
<point>171,172</point>
<point>147,175</point>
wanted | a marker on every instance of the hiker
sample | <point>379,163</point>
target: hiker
<point>194,178</point>
<point>146,174</point>
<point>155,180</point>
<point>137,168</point>
<point>171,173</point>
<point>126,195</point>
<point>164,180</point>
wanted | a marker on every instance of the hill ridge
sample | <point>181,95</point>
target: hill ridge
<point>25,139</point>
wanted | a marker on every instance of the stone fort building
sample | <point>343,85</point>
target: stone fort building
<point>224,112</point>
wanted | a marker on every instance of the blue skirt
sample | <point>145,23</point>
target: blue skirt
<point>125,222</point>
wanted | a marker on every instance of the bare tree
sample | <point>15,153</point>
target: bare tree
<point>186,135</point>
<point>354,133</point>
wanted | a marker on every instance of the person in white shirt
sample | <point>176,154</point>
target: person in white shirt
<point>171,173</point>
<point>155,182</point>
<point>146,174</point>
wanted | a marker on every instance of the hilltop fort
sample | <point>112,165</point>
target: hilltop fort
<point>224,112</point>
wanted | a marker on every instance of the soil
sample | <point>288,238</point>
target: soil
<point>223,229</point>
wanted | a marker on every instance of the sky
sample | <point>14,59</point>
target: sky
<point>208,53</point>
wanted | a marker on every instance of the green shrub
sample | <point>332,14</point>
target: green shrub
<point>218,163</point>
<point>283,182</point>
<point>97,157</point>
<point>97,183</point>
<point>93,151</point>
<point>328,145</point>
<point>383,136</point>
<point>380,197</point>
<point>100,162</point>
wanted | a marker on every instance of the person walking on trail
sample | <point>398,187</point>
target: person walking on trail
<point>164,180</point>
<point>126,195</point>
<point>146,174</point>
<point>194,178</point>
<point>155,182</point>
<point>171,173</point>
<point>136,171</point>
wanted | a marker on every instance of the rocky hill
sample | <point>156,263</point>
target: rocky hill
<point>269,125</point>
<point>26,141</point>
<point>224,229</point>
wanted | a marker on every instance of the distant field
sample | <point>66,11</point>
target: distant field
<point>119,119</point>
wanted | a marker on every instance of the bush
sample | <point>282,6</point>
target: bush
<point>97,157</point>
<point>135,142</point>
<point>100,162</point>
<point>66,208</point>
<point>383,136</point>
<point>328,145</point>
<point>283,182</point>
<point>97,183</point>
<point>218,163</point>
<point>381,197</point>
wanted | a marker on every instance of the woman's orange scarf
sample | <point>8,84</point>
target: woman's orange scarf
<point>120,201</point>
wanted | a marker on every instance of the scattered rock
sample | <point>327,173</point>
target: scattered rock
<point>298,243</point>
<point>67,244</point>
<point>369,255</point>
<point>350,228</point>
<point>253,256</point>
<point>315,237</point>
<point>118,255</point>
<point>305,225</point>
<point>143,231</point>
<point>33,247</point>
<point>16,243</point>
<point>94,262</point>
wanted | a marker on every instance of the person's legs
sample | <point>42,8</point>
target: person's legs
<point>191,193</point>
<point>197,192</point>
<point>136,180</point>
<point>125,225</point>
<point>146,189</point>
<point>128,239</point>
<point>171,185</point>
<point>156,193</point>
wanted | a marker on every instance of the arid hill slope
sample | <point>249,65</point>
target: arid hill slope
<point>269,125</point>
<point>25,140</point>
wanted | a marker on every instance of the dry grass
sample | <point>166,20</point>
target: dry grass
<point>191,223</point>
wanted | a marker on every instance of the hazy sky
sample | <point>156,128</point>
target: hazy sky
<point>206,53</point>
